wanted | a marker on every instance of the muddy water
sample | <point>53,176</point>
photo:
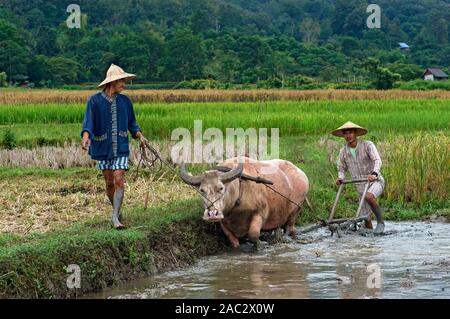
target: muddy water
<point>413,261</point>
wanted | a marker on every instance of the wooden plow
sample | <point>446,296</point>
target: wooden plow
<point>336,225</point>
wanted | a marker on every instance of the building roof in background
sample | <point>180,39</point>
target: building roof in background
<point>436,72</point>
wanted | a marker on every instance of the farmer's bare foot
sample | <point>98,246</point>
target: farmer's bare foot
<point>368,224</point>
<point>118,225</point>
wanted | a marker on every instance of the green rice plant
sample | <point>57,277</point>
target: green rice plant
<point>417,168</point>
<point>9,139</point>
<point>292,118</point>
<point>55,124</point>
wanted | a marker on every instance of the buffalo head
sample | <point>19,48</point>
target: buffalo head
<point>215,188</point>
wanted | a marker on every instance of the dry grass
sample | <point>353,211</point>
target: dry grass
<point>70,155</point>
<point>39,203</point>
<point>67,156</point>
<point>42,203</point>
<point>174,96</point>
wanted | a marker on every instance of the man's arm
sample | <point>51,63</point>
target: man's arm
<point>133,127</point>
<point>341,166</point>
<point>375,157</point>
<point>88,125</point>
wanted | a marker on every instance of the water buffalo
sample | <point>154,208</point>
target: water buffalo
<point>244,207</point>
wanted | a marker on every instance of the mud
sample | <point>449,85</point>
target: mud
<point>411,260</point>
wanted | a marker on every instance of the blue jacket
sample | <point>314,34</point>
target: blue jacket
<point>108,125</point>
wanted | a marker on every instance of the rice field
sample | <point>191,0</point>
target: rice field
<point>418,167</point>
<point>43,192</point>
<point>62,122</point>
<point>45,96</point>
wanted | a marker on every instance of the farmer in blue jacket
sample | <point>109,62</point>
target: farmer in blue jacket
<point>108,118</point>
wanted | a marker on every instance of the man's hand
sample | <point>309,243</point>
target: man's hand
<point>338,181</point>
<point>142,139</point>
<point>85,142</point>
<point>372,178</point>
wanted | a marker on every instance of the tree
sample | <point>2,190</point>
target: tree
<point>351,46</point>
<point>184,56</point>
<point>408,72</point>
<point>154,50</point>
<point>137,52</point>
<point>13,58</point>
<point>309,30</point>
<point>62,70</point>
<point>38,69</point>
<point>330,73</point>
<point>382,78</point>
<point>284,65</point>
<point>256,57</point>
<point>436,28</point>
<point>46,41</point>
<point>14,54</point>
<point>203,16</point>
<point>232,40</point>
<point>349,17</point>
<point>224,66</point>
<point>3,78</point>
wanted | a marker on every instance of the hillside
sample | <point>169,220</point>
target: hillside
<point>231,41</point>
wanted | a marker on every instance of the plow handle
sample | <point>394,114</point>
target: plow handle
<point>353,181</point>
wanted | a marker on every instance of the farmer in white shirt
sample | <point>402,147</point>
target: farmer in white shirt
<point>361,158</point>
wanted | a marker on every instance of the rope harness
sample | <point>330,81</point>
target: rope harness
<point>150,157</point>
<point>258,180</point>
<point>151,163</point>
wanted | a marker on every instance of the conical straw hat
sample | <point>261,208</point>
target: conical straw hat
<point>347,126</point>
<point>116,73</point>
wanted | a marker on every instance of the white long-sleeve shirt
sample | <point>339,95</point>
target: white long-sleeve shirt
<point>367,161</point>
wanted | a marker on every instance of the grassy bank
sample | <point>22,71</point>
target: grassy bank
<point>163,238</point>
